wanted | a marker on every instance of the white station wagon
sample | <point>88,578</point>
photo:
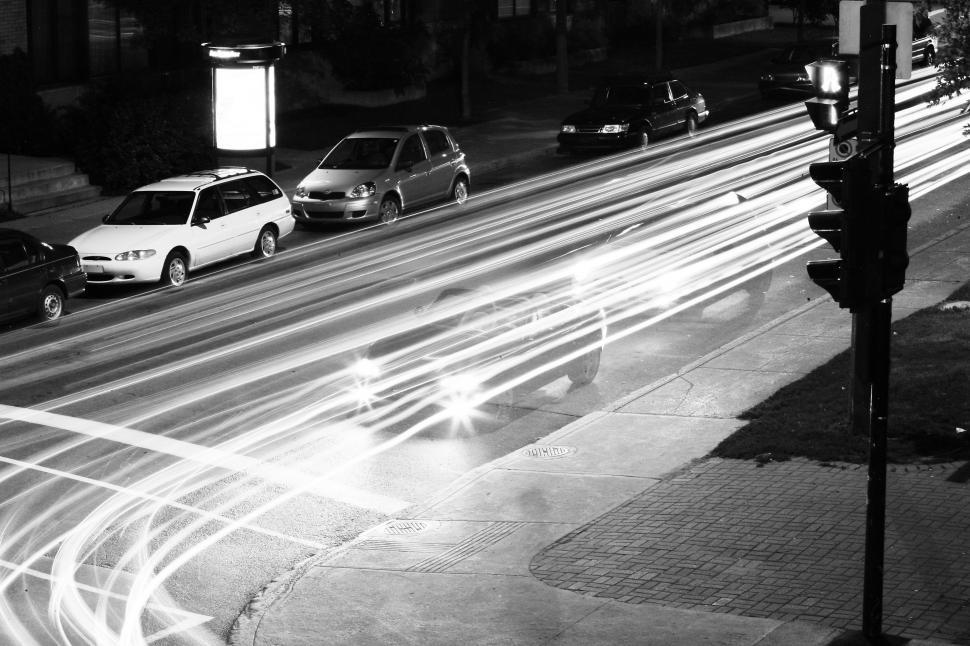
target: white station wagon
<point>162,231</point>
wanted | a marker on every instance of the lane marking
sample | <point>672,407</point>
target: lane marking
<point>134,492</point>
<point>208,456</point>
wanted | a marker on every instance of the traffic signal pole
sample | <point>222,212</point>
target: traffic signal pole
<point>871,321</point>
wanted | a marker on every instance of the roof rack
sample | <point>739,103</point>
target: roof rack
<point>221,172</point>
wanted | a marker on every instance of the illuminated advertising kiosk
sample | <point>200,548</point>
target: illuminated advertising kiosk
<point>244,98</point>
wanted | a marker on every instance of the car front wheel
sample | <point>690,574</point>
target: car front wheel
<point>459,192</point>
<point>265,243</point>
<point>390,210</point>
<point>644,138</point>
<point>175,270</point>
<point>584,369</point>
<point>51,304</point>
<point>929,57</point>
<point>691,125</point>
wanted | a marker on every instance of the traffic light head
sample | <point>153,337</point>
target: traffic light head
<point>830,79</point>
<point>845,225</point>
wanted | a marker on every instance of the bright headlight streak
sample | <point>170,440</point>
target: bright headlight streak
<point>934,172</point>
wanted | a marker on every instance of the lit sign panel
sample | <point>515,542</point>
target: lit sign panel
<point>242,96</point>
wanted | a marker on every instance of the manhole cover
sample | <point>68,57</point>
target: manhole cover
<point>547,452</point>
<point>398,527</point>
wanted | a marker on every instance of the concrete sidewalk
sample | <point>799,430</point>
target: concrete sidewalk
<point>616,530</point>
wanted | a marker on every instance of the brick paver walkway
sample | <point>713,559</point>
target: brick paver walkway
<point>784,541</point>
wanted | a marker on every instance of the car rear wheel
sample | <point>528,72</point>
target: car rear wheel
<point>175,270</point>
<point>644,139</point>
<point>459,191</point>
<point>584,369</point>
<point>51,304</point>
<point>265,243</point>
<point>390,210</point>
<point>929,57</point>
<point>691,125</point>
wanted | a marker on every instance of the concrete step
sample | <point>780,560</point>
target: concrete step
<point>37,203</point>
<point>33,184</point>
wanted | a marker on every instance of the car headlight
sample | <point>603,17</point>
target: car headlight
<point>568,129</point>
<point>367,369</point>
<point>363,190</point>
<point>460,395</point>
<point>614,128</point>
<point>138,254</point>
<point>301,191</point>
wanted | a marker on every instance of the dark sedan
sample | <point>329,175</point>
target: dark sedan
<point>471,347</point>
<point>627,112</point>
<point>36,277</point>
<point>785,74</point>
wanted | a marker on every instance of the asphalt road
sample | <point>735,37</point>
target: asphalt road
<point>209,429</point>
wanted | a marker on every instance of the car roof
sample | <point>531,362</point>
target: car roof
<point>198,179</point>
<point>636,79</point>
<point>393,130</point>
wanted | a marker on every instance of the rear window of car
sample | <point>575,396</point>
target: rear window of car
<point>13,255</point>
<point>263,188</point>
<point>437,142</point>
<point>153,208</point>
<point>677,89</point>
<point>236,195</point>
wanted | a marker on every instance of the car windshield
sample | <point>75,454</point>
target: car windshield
<point>361,153</point>
<point>154,207</point>
<point>621,95</point>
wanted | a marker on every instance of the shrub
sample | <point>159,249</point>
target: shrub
<point>124,135</point>
<point>366,55</point>
<point>587,32</point>
<point>521,39</point>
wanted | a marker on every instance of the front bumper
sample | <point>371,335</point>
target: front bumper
<point>104,272</point>
<point>310,210</point>
<point>596,140</point>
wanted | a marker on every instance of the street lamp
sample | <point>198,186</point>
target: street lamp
<point>244,97</point>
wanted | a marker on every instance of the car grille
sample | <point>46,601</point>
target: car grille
<point>326,195</point>
<point>588,130</point>
<point>97,258</point>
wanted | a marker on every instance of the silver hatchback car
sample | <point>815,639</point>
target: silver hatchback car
<point>376,174</point>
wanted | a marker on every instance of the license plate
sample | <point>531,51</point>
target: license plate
<point>93,269</point>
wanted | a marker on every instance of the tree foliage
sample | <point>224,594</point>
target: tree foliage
<point>954,46</point>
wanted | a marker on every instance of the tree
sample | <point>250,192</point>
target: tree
<point>954,46</point>
<point>811,11</point>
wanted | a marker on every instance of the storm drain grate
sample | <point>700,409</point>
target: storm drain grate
<point>548,452</point>
<point>399,527</point>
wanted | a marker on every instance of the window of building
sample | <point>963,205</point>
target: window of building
<point>510,8</point>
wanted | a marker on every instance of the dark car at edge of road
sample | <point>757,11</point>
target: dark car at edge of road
<point>36,277</point>
<point>630,111</point>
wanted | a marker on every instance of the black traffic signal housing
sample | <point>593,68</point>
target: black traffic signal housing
<point>894,214</point>
<point>830,78</point>
<point>847,225</point>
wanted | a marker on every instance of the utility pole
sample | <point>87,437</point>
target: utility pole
<point>871,323</point>
<point>865,221</point>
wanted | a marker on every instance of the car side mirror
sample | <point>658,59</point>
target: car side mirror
<point>104,218</point>
<point>201,221</point>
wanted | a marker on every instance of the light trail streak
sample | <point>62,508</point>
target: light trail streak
<point>696,244</point>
